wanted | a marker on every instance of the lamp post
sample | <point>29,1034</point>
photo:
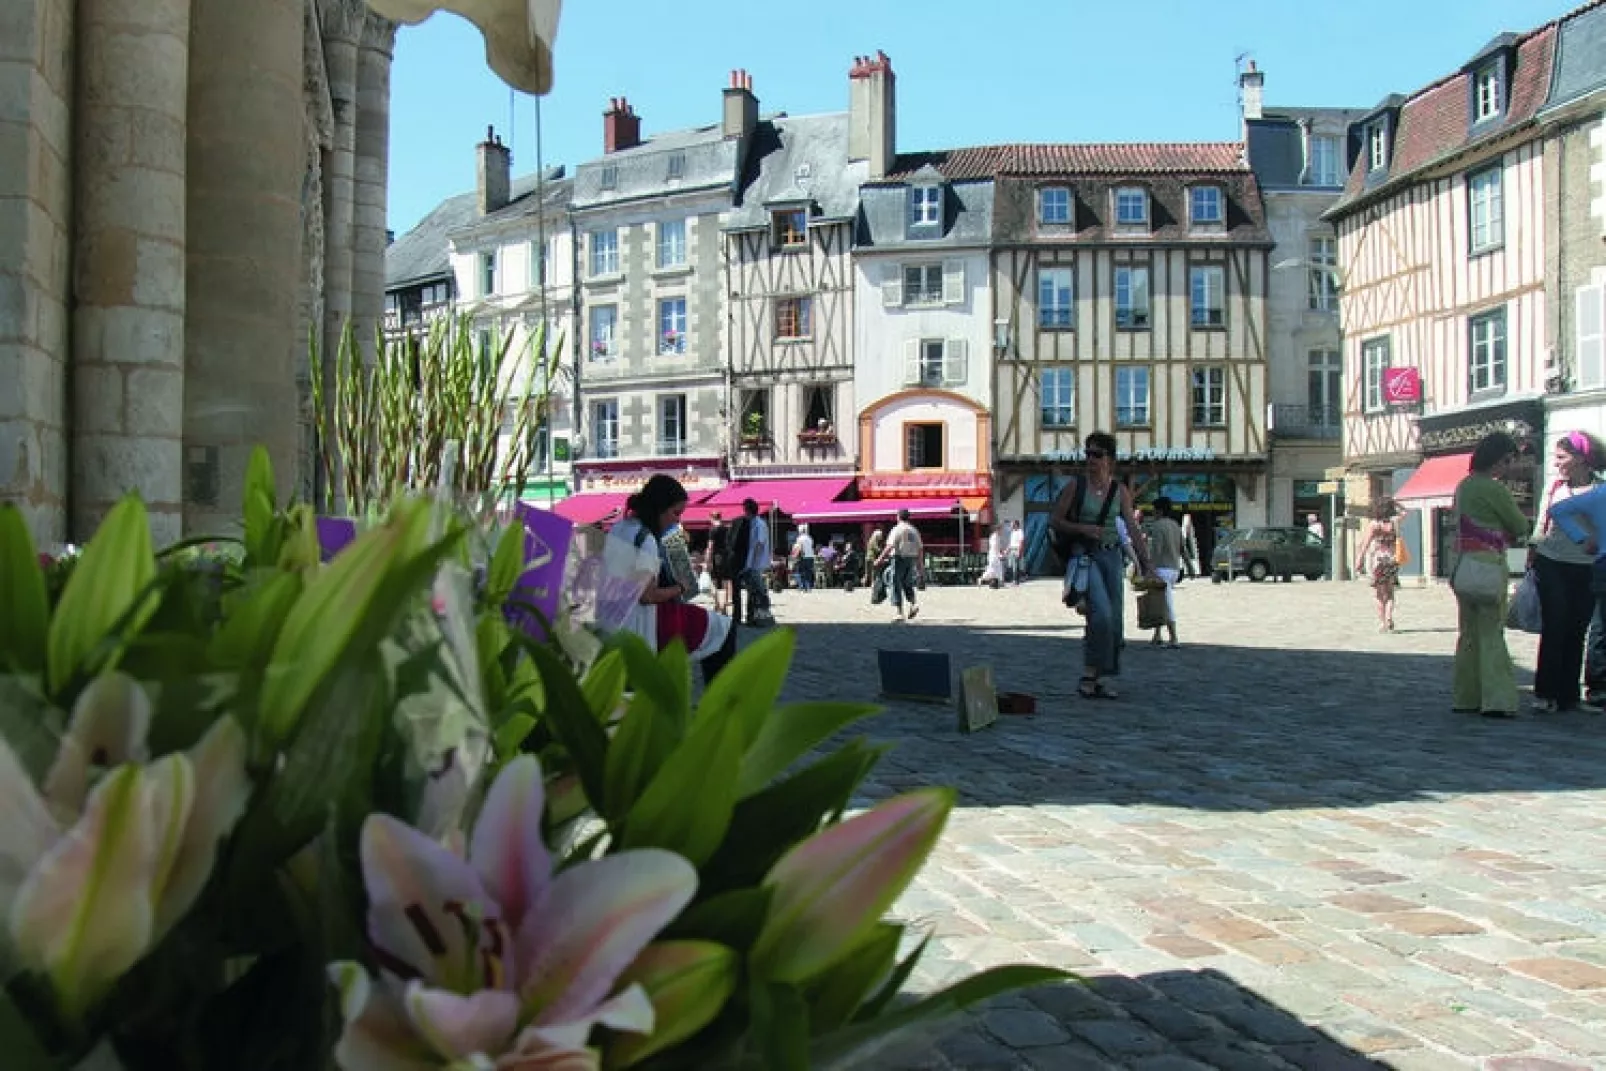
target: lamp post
<point>959,508</point>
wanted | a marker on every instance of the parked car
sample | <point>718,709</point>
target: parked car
<point>1261,552</point>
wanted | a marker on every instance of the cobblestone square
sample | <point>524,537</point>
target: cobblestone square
<point>1279,847</point>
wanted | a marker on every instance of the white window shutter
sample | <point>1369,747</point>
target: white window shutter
<point>953,282</point>
<point>1589,314</point>
<point>911,362</point>
<point>954,365</point>
<point>892,286</point>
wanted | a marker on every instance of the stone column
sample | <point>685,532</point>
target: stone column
<point>128,261</point>
<point>246,165</point>
<point>342,29</point>
<point>373,172</point>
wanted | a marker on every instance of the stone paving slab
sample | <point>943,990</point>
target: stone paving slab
<point>1278,849</point>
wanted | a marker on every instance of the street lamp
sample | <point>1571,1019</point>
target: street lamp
<point>959,508</point>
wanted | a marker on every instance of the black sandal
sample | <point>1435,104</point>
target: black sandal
<point>1093,688</point>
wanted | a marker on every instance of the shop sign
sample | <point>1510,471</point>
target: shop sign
<point>1147,453</point>
<point>925,484</point>
<point>1402,386</point>
<point>1462,431</point>
<point>629,481</point>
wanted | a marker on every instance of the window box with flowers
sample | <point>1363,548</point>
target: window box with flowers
<point>822,434</point>
<point>755,433</point>
<point>672,342</point>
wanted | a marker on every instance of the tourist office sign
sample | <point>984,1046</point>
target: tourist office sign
<point>1156,454</point>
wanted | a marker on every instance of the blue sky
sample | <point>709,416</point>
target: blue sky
<point>968,72</point>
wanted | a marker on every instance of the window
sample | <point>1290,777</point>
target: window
<point>677,166</point>
<point>671,425</point>
<point>1206,284</point>
<point>1131,397</point>
<point>1485,210</point>
<point>755,429</point>
<point>922,284</point>
<point>935,362</point>
<point>1054,205</point>
<point>1324,161</point>
<point>817,409</point>
<point>793,317</point>
<point>923,446</point>
<point>1205,206</point>
<point>1374,362</point>
<point>1377,147</point>
<point>538,264</point>
<point>1210,397</point>
<point>1486,336</point>
<point>1589,350</point>
<point>1131,207</point>
<point>1132,298</point>
<point>482,346</point>
<point>672,243</point>
<point>1323,269</point>
<point>925,206</point>
<point>1324,394</point>
<point>1054,306</point>
<point>610,177</point>
<point>487,274</point>
<point>1486,94</point>
<point>1056,389</point>
<point>605,427</point>
<point>672,325</point>
<point>789,228</point>
<point>604,252</point>
<point>604,331</point>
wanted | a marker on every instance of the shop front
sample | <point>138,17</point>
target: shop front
<point>604,485</point>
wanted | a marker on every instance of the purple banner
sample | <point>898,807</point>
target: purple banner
<point>547,538</point>
<point>335,534</point>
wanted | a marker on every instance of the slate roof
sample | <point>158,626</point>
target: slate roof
<point>1434,123</point>
<point>522,206</point>
<point>424,253</point>
<point>801,158</point>
<point>1277,143</point>
<point>883,217</point>
<point>1015,211</point>
<point>1580,65</point>
<point>709,160</point>
<point>985,161</point>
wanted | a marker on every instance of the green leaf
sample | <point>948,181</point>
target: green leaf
<point>687,808</point>
<point>253,621</point>
<point>570,718</point>
<point>111,583</point>
<point>788,734</point>
<point>767,825</point>
<point>509,737</point>
<point>642,742</point>
<point>734,918</point>
<point>676,665</point>
<point>837,994</point>
<point>24,604</point>
<point>24,1051</point>
<point>779,1030</point>
<point>261,536</point>
<point>748,688</point>
<point>31,726</point>
<point>839,1044</point>
<point>894,984</point>
<point>507,565</point>
<point>646,674</point>
<point>604,685</point>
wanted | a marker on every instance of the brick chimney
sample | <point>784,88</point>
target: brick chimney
<point>1252,91</point>
<point>741,107</point>
<point>495,172</point>
<point>621,126</point>
<point>872,113</point>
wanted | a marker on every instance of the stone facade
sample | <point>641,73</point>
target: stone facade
<point>159,264</point>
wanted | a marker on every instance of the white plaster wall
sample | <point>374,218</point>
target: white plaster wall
<point>880,332</point>
<point>960,443</point>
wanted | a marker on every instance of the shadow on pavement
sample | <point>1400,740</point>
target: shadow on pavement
<point>1210,726</point>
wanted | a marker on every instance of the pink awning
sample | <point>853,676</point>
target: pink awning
<point>788,496</point>
<point>592,508</point>
<point>1436,477</point>
<point>882,509</point>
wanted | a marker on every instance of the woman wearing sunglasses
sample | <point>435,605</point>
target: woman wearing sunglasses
<point>1084,520</point>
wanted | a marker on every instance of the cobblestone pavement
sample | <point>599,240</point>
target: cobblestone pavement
<point>1278,848</point>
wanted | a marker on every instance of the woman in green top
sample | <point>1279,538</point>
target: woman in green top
<point>1488,523</point>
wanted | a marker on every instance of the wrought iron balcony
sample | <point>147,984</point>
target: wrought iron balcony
<point>1305,421</point>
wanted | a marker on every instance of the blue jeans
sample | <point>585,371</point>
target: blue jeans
<point>805,574</point>
<point>901,584</point>
<point>1101,644</point>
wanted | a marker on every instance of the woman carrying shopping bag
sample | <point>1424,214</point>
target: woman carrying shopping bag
<point>1488,522</point>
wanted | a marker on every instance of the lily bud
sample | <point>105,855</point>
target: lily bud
<point>688,983</point>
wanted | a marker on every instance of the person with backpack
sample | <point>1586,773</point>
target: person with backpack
<point>1087,539</point>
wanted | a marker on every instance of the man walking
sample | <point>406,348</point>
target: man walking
<point>907,554</point>
<point>804,554</point>
<point>1014,556</point>
<point>750,556</point>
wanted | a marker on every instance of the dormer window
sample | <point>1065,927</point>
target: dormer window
<point>1324,161</point>
<point>1488,94</point>
<point>677,166</point>
<point>1131,207</point>
<point>1054,205</point>
<point>925,208</point>
<point>610,177</point>
<point>1206,206</point>
<point>789,228</point>
<point>1377,147</point>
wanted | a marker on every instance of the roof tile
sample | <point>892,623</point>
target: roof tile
<point>987,161</point>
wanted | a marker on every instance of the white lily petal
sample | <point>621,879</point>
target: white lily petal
<point>109,725</point>
<point>222,789</point>
<point>459,1027</point>
<point>27,830</point>
<point>377,1034</point>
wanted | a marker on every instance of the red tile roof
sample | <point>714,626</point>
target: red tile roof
<point>988,161</point>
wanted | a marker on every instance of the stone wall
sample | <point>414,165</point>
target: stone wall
<point>35,194</point>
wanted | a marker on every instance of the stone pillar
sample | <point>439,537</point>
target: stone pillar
<point>36,72</point>
<point>246,166</point>
<point>373,174</point>
<point>128,261</point>
<point>342,29</point>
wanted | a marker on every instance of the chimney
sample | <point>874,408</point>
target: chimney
<point>741,107</point>
<point>872,113</point>
<point>495,172</point>
<point>621,126</point>
<point>1251,90</point>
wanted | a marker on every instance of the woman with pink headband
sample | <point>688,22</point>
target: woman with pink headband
<point>1563,570</point>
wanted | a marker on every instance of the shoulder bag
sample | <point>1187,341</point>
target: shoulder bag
<point>1479,578</point>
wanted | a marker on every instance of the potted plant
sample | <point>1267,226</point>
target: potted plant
<point>755,435</point>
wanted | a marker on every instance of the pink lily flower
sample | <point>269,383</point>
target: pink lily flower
<point>492,961</point>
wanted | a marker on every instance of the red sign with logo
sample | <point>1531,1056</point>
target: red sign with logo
<point>925,484</point>
<point>1402,386</point>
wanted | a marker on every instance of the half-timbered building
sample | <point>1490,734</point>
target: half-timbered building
<point>789,274</point>
<point>1128,287</point>
<point>1442,249</point>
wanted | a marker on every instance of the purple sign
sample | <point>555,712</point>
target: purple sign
<point>547,537</point>
<point>335,534</point>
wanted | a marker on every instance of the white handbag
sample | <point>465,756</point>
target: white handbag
<point>1479,579</point>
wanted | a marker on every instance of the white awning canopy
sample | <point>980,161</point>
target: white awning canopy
<point>519,34</point>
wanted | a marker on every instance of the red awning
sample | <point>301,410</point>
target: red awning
<point>592,508</point>
<point>1436,477</point>
<point>788,496</point>
<point>870,510</point>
